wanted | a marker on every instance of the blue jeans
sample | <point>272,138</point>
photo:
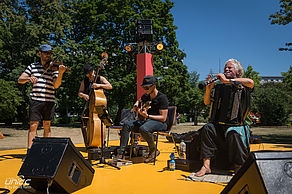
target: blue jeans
<point>146,128</point>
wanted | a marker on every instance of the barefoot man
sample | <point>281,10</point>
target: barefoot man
<point>226,128</point>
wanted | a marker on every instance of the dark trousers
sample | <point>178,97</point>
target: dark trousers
<point>213,140</point>
<point>146,128</point>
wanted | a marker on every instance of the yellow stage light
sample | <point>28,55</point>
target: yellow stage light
<point>159,46</point>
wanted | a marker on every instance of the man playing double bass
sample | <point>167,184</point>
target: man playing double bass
<point>89,73</point>
<point>92,84</point>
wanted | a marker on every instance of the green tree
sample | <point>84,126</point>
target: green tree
<point>192,100</point>
<point>271,101</point>
<point>79,32</point>
<point>249,73</point>
<point>287,78</point>
<point>107,25</point>
<point>283,17</point>
<point>10,98</point>
<point>24,26</point>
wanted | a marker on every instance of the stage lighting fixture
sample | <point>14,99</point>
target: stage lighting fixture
<point>128,47</point>
<point>159,46</point>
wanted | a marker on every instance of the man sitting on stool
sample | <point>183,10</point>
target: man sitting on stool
<point>153,119</point>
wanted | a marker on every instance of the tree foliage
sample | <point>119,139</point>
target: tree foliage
<point>249,73</point>
<point>287,78</point>
<point>10,98</point>
<point>283,17</point>
<point>192,100</point>
<point>79,32</point>
<point>271,101</point>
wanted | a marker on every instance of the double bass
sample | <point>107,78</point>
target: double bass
<point>94,131</point>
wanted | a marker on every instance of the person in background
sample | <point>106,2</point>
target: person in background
<point>178,117</point>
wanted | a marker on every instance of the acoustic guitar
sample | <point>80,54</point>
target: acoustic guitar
<point>143,106</point>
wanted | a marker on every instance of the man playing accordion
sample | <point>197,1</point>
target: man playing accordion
<point>230,101</point>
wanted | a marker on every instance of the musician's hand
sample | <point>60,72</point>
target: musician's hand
<point>33,79</point>
<point>86,97</point>
<point>96,86</point>
<point>134,108</point>
<point>143,113</point>
<point>211,85</point>
<point>62,68</point>
<point>222,78</point>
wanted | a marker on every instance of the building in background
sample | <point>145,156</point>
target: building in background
<point>276,79</point>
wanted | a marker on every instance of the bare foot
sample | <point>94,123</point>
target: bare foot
<point>204,170</point>
<point>1,136</point>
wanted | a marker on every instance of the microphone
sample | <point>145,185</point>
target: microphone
<point>202,85</point>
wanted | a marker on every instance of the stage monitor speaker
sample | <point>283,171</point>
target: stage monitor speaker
<point>57,162</point>
<point>263,172</point>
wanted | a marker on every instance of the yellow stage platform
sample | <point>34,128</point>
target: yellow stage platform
<point>133,179</point>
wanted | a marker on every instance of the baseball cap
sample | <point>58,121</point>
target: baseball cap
<point>45,47</point>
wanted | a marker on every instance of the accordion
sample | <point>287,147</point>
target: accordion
<point>230,104</point>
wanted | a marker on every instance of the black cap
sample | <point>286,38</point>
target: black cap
<point>87,69</point>
<point>149,80</point>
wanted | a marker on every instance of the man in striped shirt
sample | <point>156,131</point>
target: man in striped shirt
<point>44,82</point>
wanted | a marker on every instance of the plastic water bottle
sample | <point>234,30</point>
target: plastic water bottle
<point>172,162</point>
<point>182,149</point>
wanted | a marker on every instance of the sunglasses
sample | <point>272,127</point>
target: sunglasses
<point>146,87</point>
<point>47,52</point>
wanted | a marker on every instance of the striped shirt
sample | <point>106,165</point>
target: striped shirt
<point>44,89</point>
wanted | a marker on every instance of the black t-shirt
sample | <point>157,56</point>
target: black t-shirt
<point>160,102</point>
<point>87,84</point>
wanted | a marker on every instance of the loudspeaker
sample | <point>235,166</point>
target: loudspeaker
<point>57,162</point>
<point>263,172</point>
<point>144,31</point>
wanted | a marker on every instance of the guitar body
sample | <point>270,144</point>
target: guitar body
<point>94,123</point>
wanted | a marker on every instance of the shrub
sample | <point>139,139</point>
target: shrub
<point>272,104</point>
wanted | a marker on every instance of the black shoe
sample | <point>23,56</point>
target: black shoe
<point>151,156</point>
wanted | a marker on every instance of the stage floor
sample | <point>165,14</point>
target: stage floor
<point>132,179</point>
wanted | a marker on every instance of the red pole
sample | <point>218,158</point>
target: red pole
<point>144,67</point>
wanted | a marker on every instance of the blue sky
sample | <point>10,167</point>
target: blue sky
<point>213,31</point>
